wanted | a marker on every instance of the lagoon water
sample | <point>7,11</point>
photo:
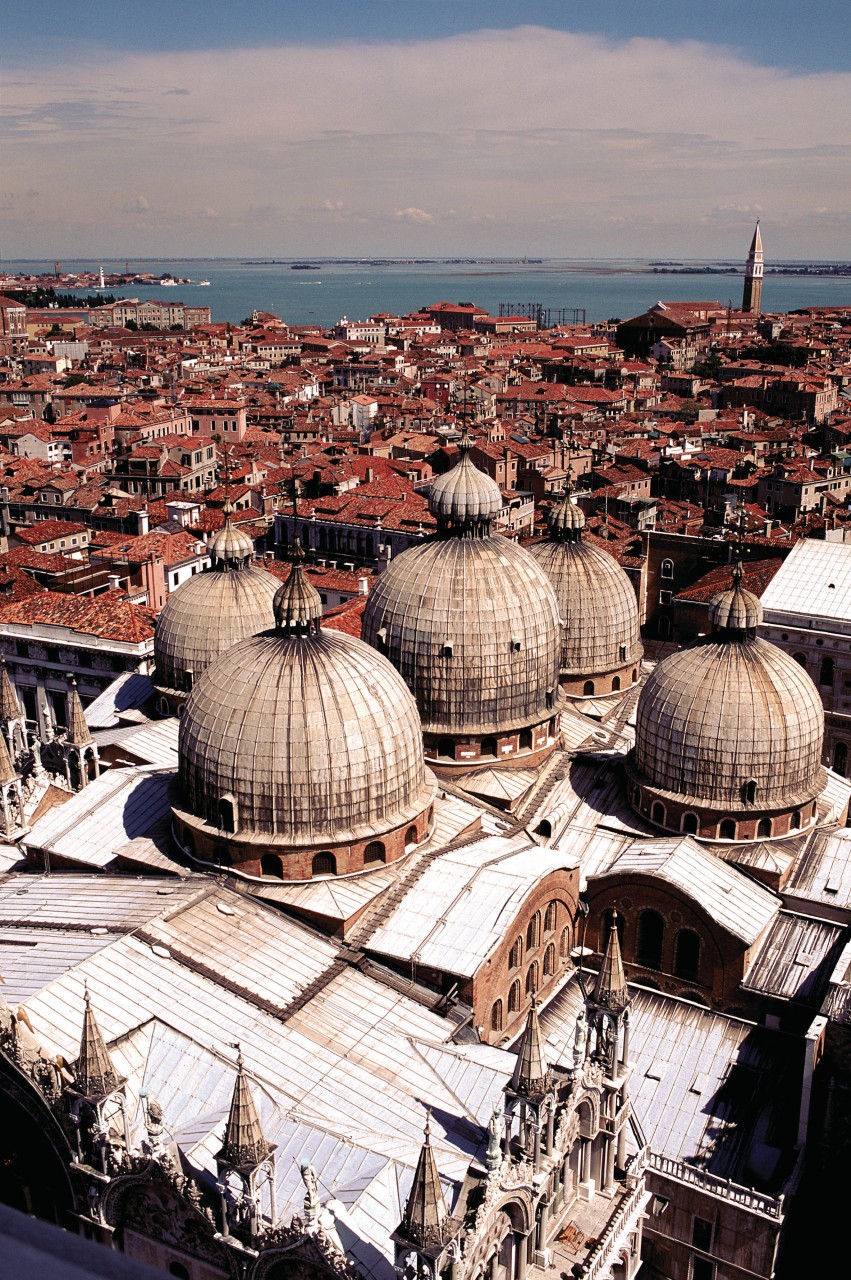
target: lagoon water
<point>358,290</point>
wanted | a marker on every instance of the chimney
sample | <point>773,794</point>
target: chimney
<point>363,586</point>
<point>114,580</point>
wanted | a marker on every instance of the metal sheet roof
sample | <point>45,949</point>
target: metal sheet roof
<point>119,806</point>
<point>737,903</point>
<point>795,960</point>
<point>435,923</point>
<point>814,581</point>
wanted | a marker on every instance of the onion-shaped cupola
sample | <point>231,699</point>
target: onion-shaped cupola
<point>209,613</point>
<point>472,624</point>
<point>729,733</point>
<point>600,638</point>
<point>300,753</point>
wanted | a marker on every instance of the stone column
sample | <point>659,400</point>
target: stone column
<point>520,1257</point>
<point>586,1159</point>
<point>493,1266</point>
<point>609,1163</point>
<point>536,1141</point>
<point>551,1125</point>
<point>622,1133</point>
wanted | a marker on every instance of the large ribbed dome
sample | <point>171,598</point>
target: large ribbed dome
<point>472,625</point>
<point>313,739</point>
<point>206,616</point>
<point>731,722</point>
<point>599,611</point>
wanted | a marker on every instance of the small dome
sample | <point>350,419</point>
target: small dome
<point>736,609</point>
<point>207,615</point>
<point>730,724</point>
<point>231,547</point>
<point>465,495</point>
<point>311,738</point>
<point>472,625</point>
<point>565,517</point>
<point>599,610</point>
<point>297,604</point>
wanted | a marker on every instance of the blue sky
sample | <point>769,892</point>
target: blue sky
<point>452,126</point>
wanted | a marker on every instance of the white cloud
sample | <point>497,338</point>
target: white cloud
<point>414,215</point>
<point>528,140</point>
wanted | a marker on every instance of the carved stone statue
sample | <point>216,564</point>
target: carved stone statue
<point>311,1196</point>
<point>580,1036</point>
<point>495,1131</point>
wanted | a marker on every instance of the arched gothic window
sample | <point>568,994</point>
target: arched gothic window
<point>532,978</point>
<point>826,672</point>
<point>533,931</point>
<point>514,996</point>
<point>496,1016</point>
<point>551,917</point>
<point>515,955</point>
<point>549,961</point>
<point>564,942</point>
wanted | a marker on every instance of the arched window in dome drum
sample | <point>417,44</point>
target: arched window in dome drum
<point>549,961</point>
<point>544,828</point>
<point>764,828</point>
<point>271,865</point>
<point>687,955</point>
<point>616,684</point>
<point>496,1016</point>
<point>840,758</point>
<point>801,659</point>
<point>178,1270</point>
<point>446,747</point>
<point>796,820</point>
<point>410,837</point>
<point>532,978</point>
<point>826,672</point>
<point>374,852</point>
<point>667,569</point>
<point>227,814</point>
<point>551,917</point>
<point>324,864</point>
<point>690,824</point>
<point>588,688</point>
<point>533,931</point>
<point>514,996</point>
<point>489,747</point>
<point>728,829</point>
<point>651,933</point>
<point>657,813</point>
<point>525,739</point>
<point>634,674</point>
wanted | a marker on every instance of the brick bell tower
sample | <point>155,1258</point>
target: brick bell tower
<point>752,294</point>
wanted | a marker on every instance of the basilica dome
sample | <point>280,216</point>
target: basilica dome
<point>600,640</point>
<point>471,623</point>
<point>301,753</point>
<point>729,733</point>
<point>209,613</point>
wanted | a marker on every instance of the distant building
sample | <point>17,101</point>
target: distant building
<point>752,294</point>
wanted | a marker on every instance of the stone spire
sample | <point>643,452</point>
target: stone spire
<point>94,1071</point>
<point>531,1072</point>
<point>10,708</point>
<point>752,295</point>
<point>7,769</point>
<point>77,734</point>
<point>425,1215</point>
<point>610,989</point>
<point>244,1145</point>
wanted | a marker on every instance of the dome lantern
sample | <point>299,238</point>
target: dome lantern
<point>464,501</point>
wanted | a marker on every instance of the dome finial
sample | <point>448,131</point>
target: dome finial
<point>566,520</point>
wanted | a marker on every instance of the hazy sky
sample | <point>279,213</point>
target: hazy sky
<point>441,127</point>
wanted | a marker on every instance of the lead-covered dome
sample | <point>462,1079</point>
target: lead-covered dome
<point>210,612</point>
<point>471,623</point>
<point>600,638</point>
<point>730,727</point>
<point>301,740</point>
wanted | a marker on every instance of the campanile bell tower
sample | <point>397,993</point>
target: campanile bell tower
<point>752,295</point>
